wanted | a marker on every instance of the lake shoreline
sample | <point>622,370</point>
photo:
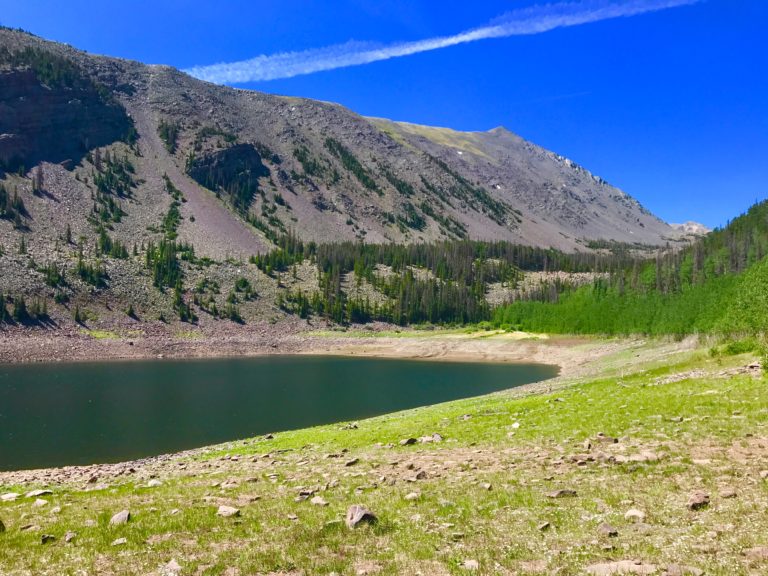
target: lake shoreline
<point>54,346</point>
<point>577,358</point>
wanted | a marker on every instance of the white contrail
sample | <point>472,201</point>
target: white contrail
<point>534,20</point>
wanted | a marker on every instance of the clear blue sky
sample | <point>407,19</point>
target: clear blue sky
<point>671,106</point>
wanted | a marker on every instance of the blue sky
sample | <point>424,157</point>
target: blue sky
<point>671,106</point>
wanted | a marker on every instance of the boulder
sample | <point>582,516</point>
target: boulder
<point>357,514</point>
<point>122,517</point>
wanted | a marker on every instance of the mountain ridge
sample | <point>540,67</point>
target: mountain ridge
<point>506,188</point>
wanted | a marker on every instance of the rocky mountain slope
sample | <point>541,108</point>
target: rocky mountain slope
<point>101,160</point>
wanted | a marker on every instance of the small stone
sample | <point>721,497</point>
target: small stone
<point>486,486</point>
<point>544,526</point>
<point>173,567</point>
<point>9,497</point>
<point>174,512</point>
<point>47,539</point>
<point>122,517</point>
<point>154,483</point>
<point>471,565</point>
<point>56,510</point>
<point>319,501</point>
<point>634,515</point>
<point>351,462</point>
<point>411,496</point>
<point>2,527</point>
<point>227,512</point>
<point>727,493</point>
<point>39,503</point>
<point>698,500</point>
<point>38,493</point>
<point>408,441</point>
<point>69,536</point>
<point>757,554</point>
<point>357,514</point>
<point>120,542</point>
<point>678,570</point>
<point>764,474</point>
<point>606,529</point>
<point>621,567</point>
<point>563,493</point>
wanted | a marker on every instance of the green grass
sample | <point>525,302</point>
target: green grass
<point>524,444</point>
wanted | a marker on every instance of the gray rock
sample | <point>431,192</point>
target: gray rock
<point>634,515</point>
<point>122,517</point>
<point>227,512</point>
<point>606,529</point>
<point>471,565</point>
<point>563,493</point>
<point>698,500</point>
<point>621,567</point>
<point>544,526</point>
<point>47,539</point>
<point>9,497</point>
<point>408,441</point>
<point>154,483</point>
<point>357,514</point>
<point>319,501</point>
<point>69,537</point>
<point>38,493</point>
<point>2,527</point>
<point>120,542</point>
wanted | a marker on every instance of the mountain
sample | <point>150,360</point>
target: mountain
<point>107,160</point>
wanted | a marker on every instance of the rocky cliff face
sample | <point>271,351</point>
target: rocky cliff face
<point>55,123</point>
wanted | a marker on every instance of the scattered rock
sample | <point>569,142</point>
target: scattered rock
<point>56,510</point>
<point>154,483</point>
<point>2,527</point>
<point>471,565</point>
<point>70,536</point>
<point>764,474</point>
<point>47,539</point>
<point>544,526</point>
<point>9,497</point>
<point>352,462</point>
<point>486,486</point>
<point>606,529</point>
<point>38,493</point>
<point>319,501</point>
<point>172,567</point>
<point>408,441</point>
<point>122,517</point>
<point>621,567</point>
<point>757,554</point>
<point>563,493</point>
<point>412,496</point>
<point>634,515</point>
<point>357,514</point>
<point>602,438</point>
<point>727,493</point>
<point>39,503</point>
<point>698,500</point>
<point>227,512</point>
<point>120,542</point>
<point>678,570</point>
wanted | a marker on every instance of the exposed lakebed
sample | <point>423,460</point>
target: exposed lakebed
<point>84,413</point>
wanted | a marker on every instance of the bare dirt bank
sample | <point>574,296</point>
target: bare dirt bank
<point>157,342</point>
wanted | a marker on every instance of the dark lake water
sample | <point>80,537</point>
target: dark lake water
<point>83,413</point>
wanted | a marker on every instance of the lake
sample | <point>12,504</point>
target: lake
<point>84,413</point>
